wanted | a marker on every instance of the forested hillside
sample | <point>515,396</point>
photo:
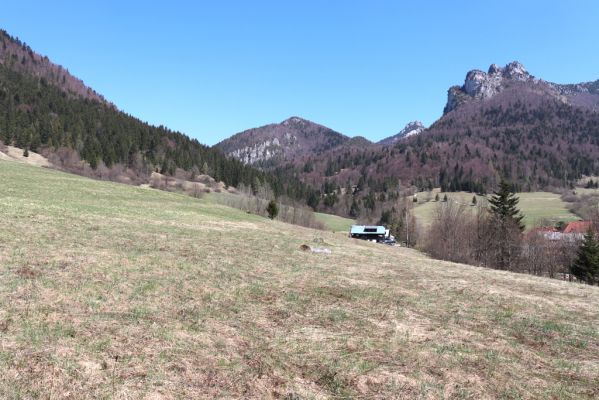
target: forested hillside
<point>19,57</point>
<point>38,115</point>
<point>501,124</point>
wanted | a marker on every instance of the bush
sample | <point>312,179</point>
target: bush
<point>272,209</point>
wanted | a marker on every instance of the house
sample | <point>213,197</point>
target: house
<point>579,227</point>
<point>366,232</point>
<point>574,231</point>
<point>547,232</point>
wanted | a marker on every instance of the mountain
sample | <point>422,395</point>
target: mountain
<point>503,123</point>
<point>479,85</point>
<point>47,110</point>
<point>277,144</point>
<point>412,128</point>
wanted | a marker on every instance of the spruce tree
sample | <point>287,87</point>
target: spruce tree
<point>504,205</point>
<point>272,209</point>
<point>506,226</point>
<point>474,200</point>
<point>586,265</point>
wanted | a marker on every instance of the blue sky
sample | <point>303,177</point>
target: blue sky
<point>211,69</point>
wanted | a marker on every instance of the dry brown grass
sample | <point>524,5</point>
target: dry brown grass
<point>10,153</point>
<point>145,294</point>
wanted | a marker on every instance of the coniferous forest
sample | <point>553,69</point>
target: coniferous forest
<point>38,115</point>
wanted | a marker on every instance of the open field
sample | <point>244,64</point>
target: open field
<point>331,222</point>
<point>113,291</point>
<point>334,223</point>
<point>536,206</point>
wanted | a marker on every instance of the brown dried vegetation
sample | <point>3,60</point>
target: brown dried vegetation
<point>173,297</point>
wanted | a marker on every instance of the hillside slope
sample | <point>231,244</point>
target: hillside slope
<point>115,291</point>
<point>19,57</point>
<point>47,110</point>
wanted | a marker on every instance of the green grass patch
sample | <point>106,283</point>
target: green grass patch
<point>536,206</point>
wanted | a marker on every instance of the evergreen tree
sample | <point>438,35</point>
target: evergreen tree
<point>586,265</point>
<point>474,201</point>
<point>437,197</point>
<point>445,198</point>
<point>26,152</point>
<point>506,226</point>
<point>504,205</point>
<point>272,209</point>
<point>313,200</point>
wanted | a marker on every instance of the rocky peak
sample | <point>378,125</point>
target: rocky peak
<point>411,129</point>
<point>295,121</point>
<point>494,69</point>
<point>481,85</point>
<point>516,71</point>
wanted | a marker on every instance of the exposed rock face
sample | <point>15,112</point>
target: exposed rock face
<point>411,129</point>
<point>480,85</point>
<point>262,151</point>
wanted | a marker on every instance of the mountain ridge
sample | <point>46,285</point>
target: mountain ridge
<point>479,85</point>
<point>504,123</point>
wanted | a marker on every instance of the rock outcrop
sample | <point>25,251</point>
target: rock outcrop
<point>411,129</point>
<point>484,85</point>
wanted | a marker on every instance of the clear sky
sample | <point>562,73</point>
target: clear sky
<point>213,68</point>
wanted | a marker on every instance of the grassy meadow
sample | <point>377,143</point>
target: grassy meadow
<point>334,223</point>
<point>536,206</point>
<point>329,222</point>
<point>110,291</point>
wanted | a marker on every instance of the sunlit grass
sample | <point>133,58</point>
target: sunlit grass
<point>112,291</point>
<point>536,206</point>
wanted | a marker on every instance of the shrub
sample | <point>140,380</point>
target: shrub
<point>272,209</point>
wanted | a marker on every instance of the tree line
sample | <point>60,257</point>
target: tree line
<point>493,237</point>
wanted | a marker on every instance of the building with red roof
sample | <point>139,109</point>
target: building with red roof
<point>580,227</point>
